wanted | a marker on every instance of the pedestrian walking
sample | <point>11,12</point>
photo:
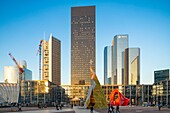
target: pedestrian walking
<point>117,109</point>
<point>91,109</point>
<point>39,105</point>
<point>159,107</point>
<point>57,106</point>
<point>112,109</point>
<point>71,106</point>
<point>60,107</point>
<point>109,109</point>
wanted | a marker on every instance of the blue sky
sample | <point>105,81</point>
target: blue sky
<point>23,23</point>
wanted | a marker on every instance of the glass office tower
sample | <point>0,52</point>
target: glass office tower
<point>120,44</point>
<point>108,65</point>
<point>83,43</point>
<point>132,66</point>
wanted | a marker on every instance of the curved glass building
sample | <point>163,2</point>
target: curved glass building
<point>9,92</point>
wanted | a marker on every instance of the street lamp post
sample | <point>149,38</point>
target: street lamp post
<point>7,99</point>
<point>130,95</point>
<point>131,90</point>
<point>20,79</point>
<point>61,95</point>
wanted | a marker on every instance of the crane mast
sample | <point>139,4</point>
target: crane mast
<point>39,51</point>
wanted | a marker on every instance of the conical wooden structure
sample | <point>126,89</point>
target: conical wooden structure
<point>95,95</point>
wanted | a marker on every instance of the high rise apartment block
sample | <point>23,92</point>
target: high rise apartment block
<point>51,60</point>
<point>83,44</point>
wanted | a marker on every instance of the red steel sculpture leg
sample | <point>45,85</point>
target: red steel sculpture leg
<point>121,100</point>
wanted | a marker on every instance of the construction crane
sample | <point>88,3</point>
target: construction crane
<point>21,71</point>
<point>39,51</point>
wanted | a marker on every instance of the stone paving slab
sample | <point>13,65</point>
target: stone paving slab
<point>127,109</point>
<point>46,111</point>
<point>139,109</point>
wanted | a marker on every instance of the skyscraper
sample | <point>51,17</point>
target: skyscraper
<point>83,43</point>
<point>120,44</point>
<point>51,63</point>
<point>109,65</point>
<point>132,66</point>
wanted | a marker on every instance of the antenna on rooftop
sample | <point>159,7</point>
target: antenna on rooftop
<point>44,35</point>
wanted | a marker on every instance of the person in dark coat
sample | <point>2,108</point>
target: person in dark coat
<point>91,109</point>
<point>60,107</point>
<point>117,109</point>
<point>112,108</point>
<point>159,107</point>
<point>71,106</point>
<point>57,106</point>
<point>39,105</point>
<point>109,111</point>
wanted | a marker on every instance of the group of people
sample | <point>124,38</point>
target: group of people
<point>19,107</point>
<point>40,106</point>
<point>111,109</point>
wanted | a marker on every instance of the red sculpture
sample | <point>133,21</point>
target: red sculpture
<point>121,100</point>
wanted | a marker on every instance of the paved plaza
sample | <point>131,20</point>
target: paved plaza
<point>127,109</point>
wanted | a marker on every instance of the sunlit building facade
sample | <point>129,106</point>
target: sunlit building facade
<point>45,60</point>
<point>79,91</point>
<point>138,94</point>
<point>161,93</point>
<point>11,73</point>
<point>44,91</point>
<point>83,44</point>
<point>35,91</point>
<point>131,66</point>
<point>51,63</point>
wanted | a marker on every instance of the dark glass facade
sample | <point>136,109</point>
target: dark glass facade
<point>161,75</point>
<point>83,43</point>
<point>56,61</point>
